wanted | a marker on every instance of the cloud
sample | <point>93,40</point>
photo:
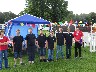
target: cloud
<point>82,6</point>
<point>12,5</point>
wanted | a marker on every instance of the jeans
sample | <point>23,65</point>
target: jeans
<point>3,55</point>
<point>50,54</point>
<point>42,51</point>
<point>59,51</point>
<point>18,54</point>
<point>68,51</point>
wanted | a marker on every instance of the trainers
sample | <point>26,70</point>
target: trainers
<point>22,63</point>
<point>44,60</point>
<point>32,62</point>
<point>50,59</point>
<point>7,67</point>
<point>75,57</point>
<point>41,60</point>
<point>47,60</point>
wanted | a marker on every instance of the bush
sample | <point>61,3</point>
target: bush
<point>10,51</point>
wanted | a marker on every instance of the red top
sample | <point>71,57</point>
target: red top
<point>2,40</point>
<point>77,35</point>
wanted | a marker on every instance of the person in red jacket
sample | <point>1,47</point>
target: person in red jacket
<point>78,36</point>
<point>3,49</point>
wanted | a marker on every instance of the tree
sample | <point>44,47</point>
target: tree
<point>1,18</point>
<point>91,17</point>
<point>5,16</point>
<point>59,9</point>
<point>53,10</point>
<point>70,16</point>
<point>8,16</point>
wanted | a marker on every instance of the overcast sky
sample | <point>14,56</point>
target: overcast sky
<point>82,6</point>
<point>14,6</point>
<point>77,6</point>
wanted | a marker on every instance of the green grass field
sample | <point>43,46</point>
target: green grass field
<point>86,64</point>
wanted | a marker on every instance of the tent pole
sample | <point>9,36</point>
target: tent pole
<point>37,30</point>
<point>91,40</point>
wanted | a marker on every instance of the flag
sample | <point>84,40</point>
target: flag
<point>80,22</point>
<point>60,23</point>
<point>28,24</point>
<point>33,25</point>
<point>6,25</point>
<point>55,23</point>
<point>44,25</point>
<point>70,23</point>
<point>85,22</point>
<point>21,24</point>
<point>76,22</point>
<point>66,23</point>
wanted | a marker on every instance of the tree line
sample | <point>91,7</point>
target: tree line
<point>51,10</point>
<point>6,16</point>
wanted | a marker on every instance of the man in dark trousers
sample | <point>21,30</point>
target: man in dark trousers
<point>31,45</point>
<point>78,36</point>
<point>60,44</point>
<point>50,40</point>
<point>17,47</point>
<point>69,39</point>
<point>42,44</point>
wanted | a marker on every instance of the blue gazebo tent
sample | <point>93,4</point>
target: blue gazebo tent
<point>26,19</point>
<point>30,19</point>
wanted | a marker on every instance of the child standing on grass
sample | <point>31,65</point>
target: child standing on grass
<point>60,44</point>
<point>17,47</point>
<point>50,40</point>
<point>69,39</point>
<point>42,44</point>
<point>4,41</point>
<point>31,45</point>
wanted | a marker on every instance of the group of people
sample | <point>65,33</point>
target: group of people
<point>41,42</point>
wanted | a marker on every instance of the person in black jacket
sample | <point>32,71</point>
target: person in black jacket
<point>60,44</point>
<point>69,39</point>
<point>50,40</point>
<point>17,47</point>
<point>42,44</point>
<point>31,45</point>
